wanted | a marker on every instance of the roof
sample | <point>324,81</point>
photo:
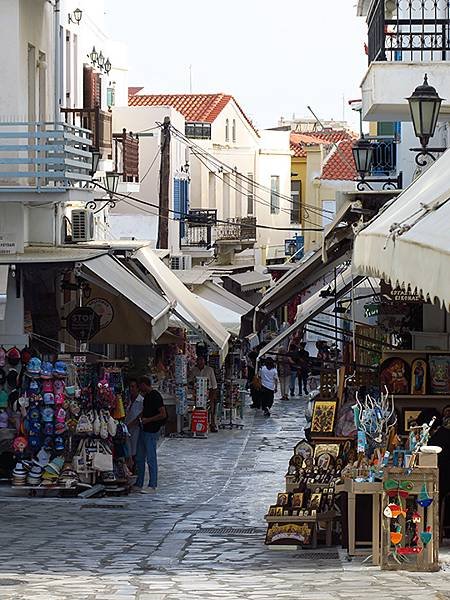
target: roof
<point>250,280</point>
<point>300,141</point>
<point>193,276</point>
<point>196,108</point>
<point>339,163</point>
<point>134,90</point>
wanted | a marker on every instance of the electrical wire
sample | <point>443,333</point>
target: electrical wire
<point>124,197</point>
<point>220,163</point>
<point>258,199</point>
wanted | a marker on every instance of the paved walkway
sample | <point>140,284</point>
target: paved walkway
<point>173,545</point>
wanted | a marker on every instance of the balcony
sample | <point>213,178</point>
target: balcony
<point>96,120</point>
<point>384,162</point>
<point>242,229</point>
<point>44,157</point>
<point>406,39</point>
<point>126,156</point>
<point>409,31</point>
<point>199,229</point>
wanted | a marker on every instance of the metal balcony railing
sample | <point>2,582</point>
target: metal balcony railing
<point>126,156</point>
<point>43,156</point>
<point>384,162</point>
<point>200,228</point>
<point>409,30</point>
<point>240,228</point>
<point>98,121</point>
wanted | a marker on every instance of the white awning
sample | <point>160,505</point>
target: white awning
<point>176,291</point>
<point>250,280</point>
<point>313,306</point>
<point>4,270</point>
<point>120,280</point>
<point>51,254</point>
<point>408,243</point>
<point>218,295</point>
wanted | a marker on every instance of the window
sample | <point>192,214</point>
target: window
<point>328,211</point>
<point>250,194</point>
<point>111,97</point>
<point>198,131</point>
<point>274,194</point>
<point>226,196</point>
<point>233,131</point>
<point>238,186</point>
<point>212,191</point>
<point>181,203</point>
<point>227,130</point>
<point>296,196</point>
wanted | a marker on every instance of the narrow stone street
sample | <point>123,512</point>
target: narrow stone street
<point>201,536</point>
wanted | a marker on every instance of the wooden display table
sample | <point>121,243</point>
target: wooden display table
<point>327,517</point>
<point>353,489</point>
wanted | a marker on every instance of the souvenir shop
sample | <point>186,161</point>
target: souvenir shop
<point>366,475</point>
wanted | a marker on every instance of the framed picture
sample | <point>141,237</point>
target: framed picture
<point>297,499</point>
<point>419,377</point>
<point>439,374</point>
<point>314,503</point>
<point>272,511</point>
<point>395,376</point>
<point>323,416</point>
<point>279,511</point>
<point>304,450</point>
<point>289,534</point>
<point>324,461</point>
<point>409,418</point>
<point>282,499</point>
<point>332,449</point>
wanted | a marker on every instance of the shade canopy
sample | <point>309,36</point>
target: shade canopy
<point>408,243</point>
<point>117,279</point>
<point>218,295</point>
<point>177,292</point>
<point>313,306</point>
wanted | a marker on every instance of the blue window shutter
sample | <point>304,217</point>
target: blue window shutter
<point>177,199</point>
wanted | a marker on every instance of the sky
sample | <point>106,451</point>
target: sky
<point>274,57</point>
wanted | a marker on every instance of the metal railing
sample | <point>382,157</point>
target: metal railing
<point>43,156</point>
<point>126,156</point>
<point>98,121</point>
<point>200,228</point>
<point>384,161</point>
<point>240,228</point>
<point>409,30</point>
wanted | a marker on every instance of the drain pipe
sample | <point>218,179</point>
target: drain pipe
<point>57,61</point>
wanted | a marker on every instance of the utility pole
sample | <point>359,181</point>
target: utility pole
<point>164,186</point>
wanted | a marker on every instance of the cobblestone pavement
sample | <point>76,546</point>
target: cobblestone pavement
<point>167,547</point>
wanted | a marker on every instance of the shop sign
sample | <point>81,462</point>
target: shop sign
<point>83,323</point>
<point>79,359</point>
<point>372,309</point>
<point>199,422</point>
<point>395,295</point>
<point>104,310</point>
<point>8,244</point>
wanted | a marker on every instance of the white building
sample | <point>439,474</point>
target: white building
<point>406,40</point>
<point>235,170</point>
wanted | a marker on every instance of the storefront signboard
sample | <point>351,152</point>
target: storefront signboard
<point>199,423</point>
<point>83,323</point>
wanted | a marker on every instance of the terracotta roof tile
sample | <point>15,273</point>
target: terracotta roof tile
<point>300,141</point>
<point>339,163</point>
<point>196,108</point>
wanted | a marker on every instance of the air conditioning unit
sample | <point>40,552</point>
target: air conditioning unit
<point>82,225</point>
<point>180,262</point>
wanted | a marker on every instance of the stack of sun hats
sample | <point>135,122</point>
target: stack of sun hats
<point>35,474</point>
<point>52,471</point>
<point>19,475</point>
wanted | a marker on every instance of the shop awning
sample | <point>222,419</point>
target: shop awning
<point>4,271</point>
<point>118,280</point>
<point>193,277</point>
<point>218,295</point>
<point>338,229</point>
<point>310,269</point>
<point>408,243</point>
<point>176,291</point>
<point>51,254</point>
<point>313,306</point>
<point>250,280</point>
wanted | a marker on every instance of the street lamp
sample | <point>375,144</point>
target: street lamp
<point>363,155</point>
<point>93,55</point>
<point>101,60</point>
<point>110,182</point>
<point>75,17</point>
<point>107,66</point>
<point>95,161</point>
<point>424,106</point>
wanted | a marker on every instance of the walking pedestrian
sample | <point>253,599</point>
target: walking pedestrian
<point>251,383</point>
<point>293,361</point>
<point>133,420</point>
<point>269,385</point>
<point>284,372</point>
<point>203,370</point>
<point>303,368</point>
<point>154,415</point>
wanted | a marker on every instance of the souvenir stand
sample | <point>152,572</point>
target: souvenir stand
<point>231,408</point>
<point>67,418</point>
<point>307,508</point>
